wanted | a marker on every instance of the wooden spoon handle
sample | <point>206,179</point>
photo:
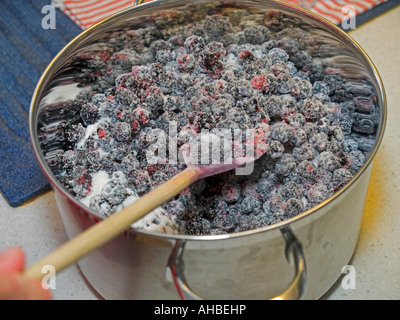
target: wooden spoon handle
<point>107,229</point>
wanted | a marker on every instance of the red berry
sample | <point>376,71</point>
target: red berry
<point>260,83</point>
<point>101,133</point>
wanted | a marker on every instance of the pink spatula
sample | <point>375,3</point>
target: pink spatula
<point>107,229</point>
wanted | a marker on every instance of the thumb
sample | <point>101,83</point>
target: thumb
<point>12,260</point>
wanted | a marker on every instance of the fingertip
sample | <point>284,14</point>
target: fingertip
<point>15,286</point>
<point>12,260</point>
<point>35,291</point>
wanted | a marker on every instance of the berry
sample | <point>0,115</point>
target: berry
<point>138,180</point>
<point>327,160</point>
<point>340,178</point>
<point>275,149</point>
<point>89,114</point>
<point>256,34</point>
<point>198,226</point>
<point>281,132</point>
<point>122,132</point>
<point>318,193</point>
<point>195,45</point>
<point>304,152</point>
<point>311,128</point>
<point>277,54</point>
<point>285,164</point>
<point>216,26</point>
<point>231,192</point>
<point>356,159</point>
<point>294,207</point>
<point>313,109</point>
<point>114,193</point>
<point>250,205</point>
<point>260,83</point>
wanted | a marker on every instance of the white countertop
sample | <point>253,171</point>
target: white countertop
<point>38,229</point>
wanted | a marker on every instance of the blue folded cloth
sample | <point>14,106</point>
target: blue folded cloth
<point>26,50</point>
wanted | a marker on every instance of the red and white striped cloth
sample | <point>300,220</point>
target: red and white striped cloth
<point>87,12</point>
<point>332,10</point>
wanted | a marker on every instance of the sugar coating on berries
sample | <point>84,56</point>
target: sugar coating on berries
<point>149,93</point>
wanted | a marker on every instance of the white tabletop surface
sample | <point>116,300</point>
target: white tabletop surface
<point>38,229</point>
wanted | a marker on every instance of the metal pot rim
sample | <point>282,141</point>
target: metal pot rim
<point>327,24</point>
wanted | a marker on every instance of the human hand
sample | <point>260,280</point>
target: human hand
<point>13,284</point>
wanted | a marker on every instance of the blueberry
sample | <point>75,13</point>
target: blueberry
<point>320,87</point>
<point>291,190</point>
<point>340,178</point>
<point>293,207</point>
<point>115,193</point>
<point>122,132</point>
<point>216,26</point>
<point>231,192</point>
<point>302,89</point>
<point>256,34</point>
<point>285,164</point>
<point>89,114</point>
<point>318,193</point>
<point>356,159</point>
<point>225,222</point>
<point>304,152</point>
<point>277,54</point>
<point>198,226</point>
<point>176,208</point>
<point>323,176</point>
<point>139,180</point>
<point>101,205</point>
<point>275,149</point>
<point>195,45</point>
<point>319,141</point>
<point>298,137</point>
<point>281,132</point>
<point>327,160</point>
<point>349,145</point>
<point>313,110</point>
<point>187,62</point>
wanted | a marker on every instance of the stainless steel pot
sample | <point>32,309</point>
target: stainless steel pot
<point>301,257</point>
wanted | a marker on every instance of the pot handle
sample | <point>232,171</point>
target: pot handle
<point>296,289</point>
